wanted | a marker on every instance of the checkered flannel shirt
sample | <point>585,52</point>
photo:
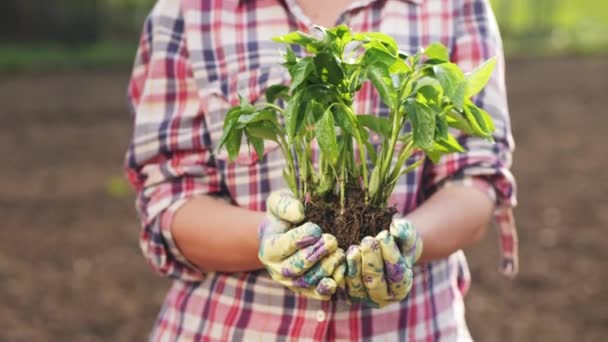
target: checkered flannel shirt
<point>194,58</point>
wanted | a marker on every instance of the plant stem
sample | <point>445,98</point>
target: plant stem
<point>405,153</point>
<point>302,165</point>
<point>273,106</point>
<point>388,157</point>
<point>309,169</point>
<point>361,145</point>
<point>289,158</point>
<point>342,190</point>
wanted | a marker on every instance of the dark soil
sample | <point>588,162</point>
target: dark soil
<point>356,222</point>
<point>70,265</point>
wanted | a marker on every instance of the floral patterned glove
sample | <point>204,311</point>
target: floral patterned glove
<point>300,258</point>
<point>379,271</point>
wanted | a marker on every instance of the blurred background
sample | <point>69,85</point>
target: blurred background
<point>70,267</point>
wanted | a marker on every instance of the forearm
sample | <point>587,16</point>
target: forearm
<point>453,218</point>
<point>217,236</point>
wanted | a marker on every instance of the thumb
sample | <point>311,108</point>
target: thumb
<point>284,206</point>
<point>409,240</point>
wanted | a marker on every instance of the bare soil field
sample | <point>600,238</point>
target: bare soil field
<point>70,266</point>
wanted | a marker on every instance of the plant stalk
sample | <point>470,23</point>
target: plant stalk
<point>289,157</point>
<point>388,157</point>
<point>273,106</point>
<point>342,191</point>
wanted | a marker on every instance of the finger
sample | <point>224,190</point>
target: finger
<point>408,238</point>
<point>304,259</point>
<point>373,270</point>
<point>322,269</point>
<point>338,275</point>
<point>326,287</point>
<point>395,267</point>
<point>323,291</point>
<point>354,284</point>
<point>283,205</point>
<point>280,246</point>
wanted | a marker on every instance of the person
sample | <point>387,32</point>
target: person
<point>201,214</point>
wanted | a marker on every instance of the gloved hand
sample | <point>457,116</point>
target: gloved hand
<point>300,258</point>
<point>379,271</point>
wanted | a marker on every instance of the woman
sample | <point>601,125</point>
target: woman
<point>201,214</point>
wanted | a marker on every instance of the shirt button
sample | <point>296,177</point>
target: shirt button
<point>320,316</point>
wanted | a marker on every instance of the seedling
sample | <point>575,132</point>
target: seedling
<point>347,191</point>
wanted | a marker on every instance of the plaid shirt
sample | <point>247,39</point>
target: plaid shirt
<point>195,57</point>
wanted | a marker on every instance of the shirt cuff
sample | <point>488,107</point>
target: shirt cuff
<point>192,271</point>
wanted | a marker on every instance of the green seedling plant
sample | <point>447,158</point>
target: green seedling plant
<point>424,91</point>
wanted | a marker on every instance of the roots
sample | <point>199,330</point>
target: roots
<point>358,221</point>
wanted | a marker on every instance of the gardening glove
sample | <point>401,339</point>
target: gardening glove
<point>379,271</point>
<point>300,258</point>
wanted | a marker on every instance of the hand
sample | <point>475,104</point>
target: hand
<point>379,271</point>
<point>301,258</point>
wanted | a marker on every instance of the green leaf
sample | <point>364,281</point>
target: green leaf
<point>325,184</point>
<point>263,130</point>
<point>311,44</point>
<point>230,123</point>
<point>340,31</point>
<point>233,143</point>
<point>290,56</point>
<point>442,126</point>
<point>429,87</point>
<point>355,76</point>
<point>452,81</point>
<point>277,91</point>
<point>451,144</point>
<point>328,41</point>
<point>434,155</point>
<point>314,111</point>
<point>345,119</point>
<point>437,51</point>
<point>386,40</point>
<point>377,53</point>
<point>309,109</point>
<point>301,72</point>
<point>261,115</point>
<point>246,107</point>
<point>343,34</point>
<point>399,67</point>
<point>423,124</point>
<point>381,79</point>
<point>258,145</point>
<point>478,78</point>
<point>479,120</point>
<point>328,68</point>
<point>374,181</point>
<point>377,124</point>
<point>443,146</point>
<point>326,136</point>
<point>294,115</point>
<point>456,120</point>
<point>231,116</point>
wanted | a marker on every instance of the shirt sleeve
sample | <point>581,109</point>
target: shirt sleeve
<point>169,159</point>
<point>477,39</point>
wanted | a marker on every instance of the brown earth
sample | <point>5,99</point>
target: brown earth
<point>70,267</point>
<point>356,222</point>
